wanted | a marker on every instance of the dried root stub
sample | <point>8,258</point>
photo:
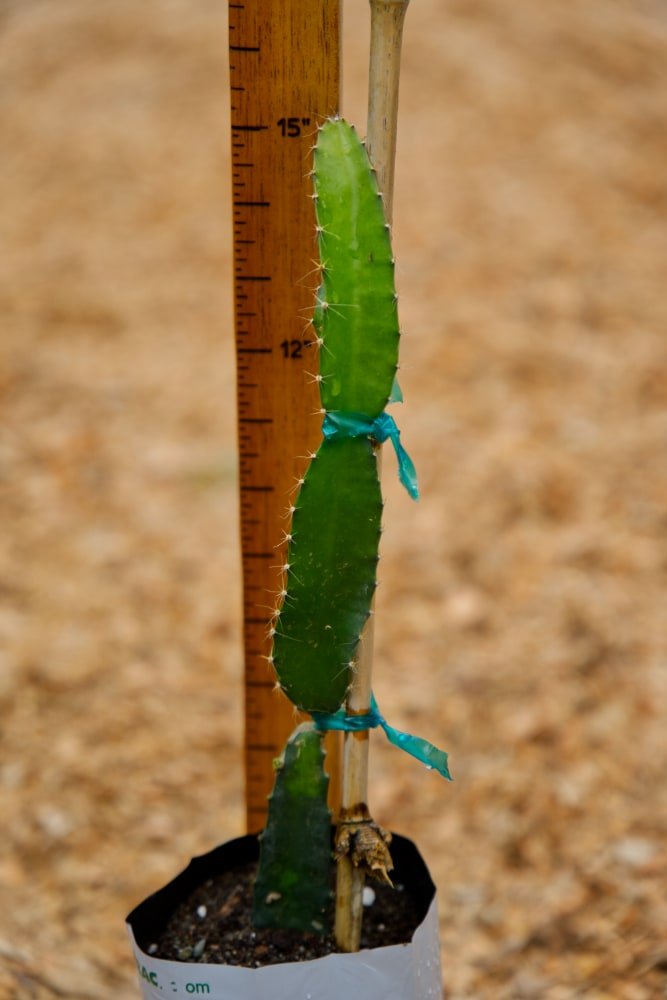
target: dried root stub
<point>366,844</point>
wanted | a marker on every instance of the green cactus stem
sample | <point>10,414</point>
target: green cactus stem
<point>330,571</point>
<point>331,577</point>
<point>356,315</point>
<point>293,886</point>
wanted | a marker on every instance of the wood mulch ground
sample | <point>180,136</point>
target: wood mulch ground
<point>521,621</point>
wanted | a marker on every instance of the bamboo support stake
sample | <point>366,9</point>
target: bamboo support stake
<point>387,17</point>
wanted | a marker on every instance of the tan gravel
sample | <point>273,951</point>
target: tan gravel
<point>521,622</point>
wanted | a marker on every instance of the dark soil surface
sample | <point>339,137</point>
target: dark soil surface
<point>214,925</point>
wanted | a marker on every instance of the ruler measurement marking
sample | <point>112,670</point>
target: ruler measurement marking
<point>273,229</point>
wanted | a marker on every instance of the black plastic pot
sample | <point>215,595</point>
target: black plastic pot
<point>395,972</point>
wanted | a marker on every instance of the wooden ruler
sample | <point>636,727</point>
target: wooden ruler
<point>284,75</point>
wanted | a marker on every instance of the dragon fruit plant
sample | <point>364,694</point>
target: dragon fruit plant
<point>333,541</point>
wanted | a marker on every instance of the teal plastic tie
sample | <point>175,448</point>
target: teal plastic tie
<point>350,425</point>
<point>396,395</point>
<point>427,753</point>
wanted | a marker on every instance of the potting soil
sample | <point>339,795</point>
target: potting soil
<point>214,925</point>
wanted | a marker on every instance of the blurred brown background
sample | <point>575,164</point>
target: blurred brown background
<point>521,622</point>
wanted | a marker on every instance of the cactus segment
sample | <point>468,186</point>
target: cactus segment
<point>356,317</point>
<point>332,557</point>
<point>292,889</point>
<point>332,562</point>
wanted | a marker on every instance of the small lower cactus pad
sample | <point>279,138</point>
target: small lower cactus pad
<point>292,889</point>
<point>330,574</point>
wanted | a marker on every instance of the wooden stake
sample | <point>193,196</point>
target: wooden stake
<point>387,18</point>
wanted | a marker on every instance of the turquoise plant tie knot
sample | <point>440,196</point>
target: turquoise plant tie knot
<point>427,753</point>
<point>350,425</point>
